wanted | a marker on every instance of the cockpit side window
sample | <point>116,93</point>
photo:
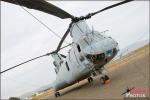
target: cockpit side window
<point>78,47</point>
<point>114,50</point>
<point>67,66</point>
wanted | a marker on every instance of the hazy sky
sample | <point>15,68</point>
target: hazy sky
<point>23,37</point>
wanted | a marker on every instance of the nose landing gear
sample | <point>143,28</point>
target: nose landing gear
<point>104,80</point>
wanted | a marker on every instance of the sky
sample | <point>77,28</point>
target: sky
<point>23,37</point>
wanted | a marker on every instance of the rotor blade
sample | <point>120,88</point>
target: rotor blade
<point>66,46</point>
<point>63,38</point>
<point>109,7</point>
<point>47,54</point>
<point>42,5</point>
<point>26,62</point>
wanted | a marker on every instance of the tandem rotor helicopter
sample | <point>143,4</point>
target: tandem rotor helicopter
<point>90,50</point>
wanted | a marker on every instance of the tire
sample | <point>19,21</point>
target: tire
<point>57,94</point>
<point>90,79</point>
<point>106,77</point>
<point>102,81</point>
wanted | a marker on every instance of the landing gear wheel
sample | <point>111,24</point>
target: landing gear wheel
<point>106,77</point>
<point>57,94</point>
<point>90,79</point>
<point>104,80</point>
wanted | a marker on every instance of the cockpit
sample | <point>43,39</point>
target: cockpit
<point>96,59</point>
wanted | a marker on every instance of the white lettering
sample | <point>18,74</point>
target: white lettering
<point>135,95</point>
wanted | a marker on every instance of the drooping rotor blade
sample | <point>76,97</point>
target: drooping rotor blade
<point>63,38</point>
<point>112,6</point>
<point>42,5</point>
<point>26,62</point>
<point>47,54</point>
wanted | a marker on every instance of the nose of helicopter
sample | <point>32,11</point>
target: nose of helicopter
<point>103,46</point>
<point>101,52</point>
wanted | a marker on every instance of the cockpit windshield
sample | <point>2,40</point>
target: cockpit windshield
<point>96,59</point>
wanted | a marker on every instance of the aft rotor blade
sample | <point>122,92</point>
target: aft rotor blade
<point>63,38</point>
<point>47,54</point>
<point>26,62</point>
<point>112,6</point>
<point>42,5</point>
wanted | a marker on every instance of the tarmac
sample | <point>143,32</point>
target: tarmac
<point>130,71</point>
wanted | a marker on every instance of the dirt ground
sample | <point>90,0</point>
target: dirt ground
<point>129,71</point>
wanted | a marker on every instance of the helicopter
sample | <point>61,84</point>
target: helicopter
<point>90,50</point>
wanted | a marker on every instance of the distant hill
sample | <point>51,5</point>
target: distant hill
<point>39,90</point>
<point>131,48</point>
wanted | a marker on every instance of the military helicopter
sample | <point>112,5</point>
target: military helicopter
<point>90,50</point>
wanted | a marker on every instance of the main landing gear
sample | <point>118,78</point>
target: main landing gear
<point>104,80</point>
<point>90,79</point>
<point>57,94</point>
